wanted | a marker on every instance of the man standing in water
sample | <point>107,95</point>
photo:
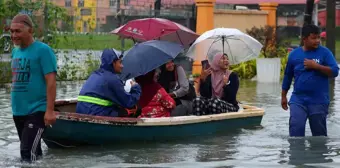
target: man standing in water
<point>33,90</point>
<point>311,66</point>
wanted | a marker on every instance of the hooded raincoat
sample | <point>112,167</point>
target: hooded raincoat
<point>103,93</point>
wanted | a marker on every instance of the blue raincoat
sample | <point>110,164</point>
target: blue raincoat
<point>104,85</point>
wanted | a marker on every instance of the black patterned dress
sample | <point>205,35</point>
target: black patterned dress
<point>205,104</point>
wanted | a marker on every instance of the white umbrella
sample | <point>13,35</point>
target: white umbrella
<point>239,46</point>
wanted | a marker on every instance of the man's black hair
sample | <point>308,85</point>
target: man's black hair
<point>310,29</point>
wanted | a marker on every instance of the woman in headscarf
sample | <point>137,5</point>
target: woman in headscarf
<point>154,101</point>
<point>173,79</point>
<point>218,88</point>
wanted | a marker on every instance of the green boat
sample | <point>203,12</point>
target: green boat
<point>72,129</point>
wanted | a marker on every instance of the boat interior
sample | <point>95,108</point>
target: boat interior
<point>67,111</point>
<point>69,105</point>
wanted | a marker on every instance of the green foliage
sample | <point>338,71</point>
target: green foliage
<point>46,32</point>
<point>5,72</point>
<point>284,61</point>
<point>195,75</point>
<point>274,46</point>
<point>69,69</point>
<point>91,65</point>
<point>245,70</point>
<point>273,43</point>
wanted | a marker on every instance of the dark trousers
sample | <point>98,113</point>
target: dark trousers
<point>315,113</point>
<point>30,129</point>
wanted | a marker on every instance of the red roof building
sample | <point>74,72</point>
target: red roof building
<point>322,17</point>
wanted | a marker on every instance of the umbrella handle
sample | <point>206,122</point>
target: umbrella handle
<point>121,54</point>
<point>223,38</point>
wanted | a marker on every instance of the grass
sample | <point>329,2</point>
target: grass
<point>100,42</point>
<point>92,42</point>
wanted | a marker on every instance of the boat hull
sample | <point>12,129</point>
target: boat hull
<point>72,129</point>
<point>72,133</point>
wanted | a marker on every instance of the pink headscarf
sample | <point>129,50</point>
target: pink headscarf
<point>217,77</point>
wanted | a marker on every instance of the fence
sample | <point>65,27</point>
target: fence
<point>106,17</point>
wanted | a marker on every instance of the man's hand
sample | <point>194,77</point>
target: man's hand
<point>284,103</point>
<point>49,118</point>
<point>205,73</point>
<point>310,64</point>
<point>133,83</point>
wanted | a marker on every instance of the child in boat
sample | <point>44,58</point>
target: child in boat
<point>154,101</point>
<point>103,93</point>
<point>173,79</point>
<point>218,88</point>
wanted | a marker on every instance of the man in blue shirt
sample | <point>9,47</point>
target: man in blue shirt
<point>33,89</point>
<point>311,66</point>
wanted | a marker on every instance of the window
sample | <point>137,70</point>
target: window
<point>81,3</point>
<point>126,2</point>
<point>112,2</point>
<point>68,3</point>
<point>85,12</point>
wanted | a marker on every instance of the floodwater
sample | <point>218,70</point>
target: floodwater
<point>265,146</point>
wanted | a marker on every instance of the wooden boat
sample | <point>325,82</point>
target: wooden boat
<point>72,129</point>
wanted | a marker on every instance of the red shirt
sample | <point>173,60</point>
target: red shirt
<point>160,105</point>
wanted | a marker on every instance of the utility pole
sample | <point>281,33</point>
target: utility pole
<point>307,15</point>
<point>118,6</point>
<point>45,21</point>
<point>330,25</point>
<point>157,7</point>
<point>97,24</point>
<point>122,21</point>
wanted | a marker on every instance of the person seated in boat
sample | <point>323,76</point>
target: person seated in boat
<point>103,93</point>
<point>154,101</point>
<point>218,88</point>
<point>173,79</point>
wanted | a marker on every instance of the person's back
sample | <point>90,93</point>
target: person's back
<point>154,101</point>
<point>103,93</point>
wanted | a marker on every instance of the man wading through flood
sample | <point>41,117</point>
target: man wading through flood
<point>311,66</point>
<point>33,91</point>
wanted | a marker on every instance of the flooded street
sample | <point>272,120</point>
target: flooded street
<point>266,146</point>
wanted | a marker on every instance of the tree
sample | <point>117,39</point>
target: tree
<point>48,25</point>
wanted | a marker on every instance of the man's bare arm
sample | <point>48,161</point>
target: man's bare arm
<point>284,93</point>
<point>50,90</point>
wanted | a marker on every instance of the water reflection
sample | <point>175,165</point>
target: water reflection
<point>308,151</point>
<point>332,91</point>
<point>217,149</point>
<point>267,89</point>
<point>268,92</point>
<point>265,146</point>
